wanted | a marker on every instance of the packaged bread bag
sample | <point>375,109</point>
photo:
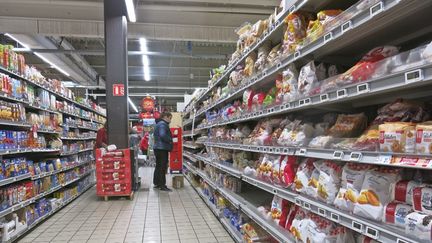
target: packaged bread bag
<point>377,191</point>
<point>424,138</point>
<point>351,184</point>
<point>328,180</point>
<point>422,199</point>
<point>395,213</point>
<point>419,225</point>
<point>404,191</point>
<point>397,137</point>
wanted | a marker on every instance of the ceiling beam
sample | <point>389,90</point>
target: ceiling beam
<point>224,2</point>
<point>95,29</point>
<point>130,53</point>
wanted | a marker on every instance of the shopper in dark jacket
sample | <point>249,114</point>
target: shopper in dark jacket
<point>163,144</point>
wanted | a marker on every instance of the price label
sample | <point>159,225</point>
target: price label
<point>328,37</point>
<point>292,9</point>
<point>301,102</point>
<point>271,150</point>
<point>384,158</point>
<point>277,150</point>
<point>324,97</point>
<point>307,101</point>
<point>279,64</point>
<point>357,226</point>
<point>338,155</point>
<point>302,152</point>
<point>275,191</point>
<point>265,150</point>
<point>341,93</point>
<point>271,110</point>
<point>297,54</point>
<point>376,9</point>
<point>372,233</point>
<point>298,202</point>
<point>322,212</point>
<point>401,241</point>
<point>335,217</point>
<point>363,88</point>
<point>346,26</point>
<point>414,76</point>
<point>355,156</point>
<point>307,206</point>
<point>286,151</point>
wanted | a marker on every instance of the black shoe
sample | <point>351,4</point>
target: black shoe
<point>166,189</point>
<point>156,187</point>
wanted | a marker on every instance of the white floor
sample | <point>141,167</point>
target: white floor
<point>153,216</point>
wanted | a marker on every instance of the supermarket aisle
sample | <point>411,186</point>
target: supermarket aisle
<point>153,216</point>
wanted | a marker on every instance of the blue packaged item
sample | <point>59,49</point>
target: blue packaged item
<point>42,166</point>
<point>30,167</point>
<point>2,140</point>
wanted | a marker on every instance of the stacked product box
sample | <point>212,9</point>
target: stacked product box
<point>113,173</point>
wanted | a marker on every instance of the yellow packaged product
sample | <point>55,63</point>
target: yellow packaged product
<point>397,137</point>
<point>424,138</point>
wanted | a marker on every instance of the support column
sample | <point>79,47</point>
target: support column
<point>116,69</point>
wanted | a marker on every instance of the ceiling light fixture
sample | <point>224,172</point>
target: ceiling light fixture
<point>26,47</point>
<point>52,64</point>
<point>145,59</point>
<point>132,104</point>
<point>130,10</point>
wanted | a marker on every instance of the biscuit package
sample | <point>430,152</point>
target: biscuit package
<point>397,137</point>
<point>424,138</point>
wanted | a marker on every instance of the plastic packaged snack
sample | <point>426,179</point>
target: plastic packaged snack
<point>273,56</point>
<point>422,199</point>
<point>303,174</point>
<point>419,225</point>
<point>295,32</point>
<point>369,141</point>
<point>250,65</point>
<point>395,213</point>
<point>404,191</point>
<point>424,138</point>
<point>328,181</point>
<point>402,111</point>
<point>287,171</point>
<point>317,27</point>
<point>263,52</point>
<point>398,137</point>
<point>348,126</point>
<point>351,183</point>
<point>320,142</point>
<point>289,84</point>
<point>276,209</point>
<point>297,134</point>
<point>307,79</point>
<point>275,176</point>
<point>247,99</point>
<point>377,191</point>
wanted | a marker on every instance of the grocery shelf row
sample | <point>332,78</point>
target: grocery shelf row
<point>76,152</point>
<point>11,180</point>
<point>374,230</point>
<point>25,151</point>
<point>247,208</point>
<point>78,138</point>
<point>370,19</point>
<point>368,157</point>
<point>17,76</point>
<point>190,145</point>
<point>414,78</point>
<point>43,218</point>
<point>41,195</point>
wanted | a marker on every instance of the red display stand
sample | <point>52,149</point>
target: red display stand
<point>113,174</point>
<point>176,155</point>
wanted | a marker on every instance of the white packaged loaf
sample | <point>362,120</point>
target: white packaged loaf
<point>404,190</point>
<point>395,213</point>
<point>419,225</point>
<point>422,199</point>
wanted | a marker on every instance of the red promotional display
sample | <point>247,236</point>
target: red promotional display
<point>118,90</point>
<point>113,173</point>
<point>176,155</point>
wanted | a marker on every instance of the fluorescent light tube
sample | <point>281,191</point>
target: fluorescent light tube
<point>130,10</point>
<point>132,104</point>
<point>52,64</point>
<point>27,48</point>
<point>145,59</point>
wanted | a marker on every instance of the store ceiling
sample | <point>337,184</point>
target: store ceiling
<point>187,39</point>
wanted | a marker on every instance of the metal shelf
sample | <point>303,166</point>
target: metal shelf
<point>235,234</point>
<point>76,152</point>
<point>191,146</point>
<point>14,124</point>
<point>48,131</point>
<point>11,180</point>
<point>41,219</point>
<point>367,157</point>
<point>14,75</point>
<point>78,138</point>
<point>41,195</point>
<point>35,177</point>
<point>25,151</point>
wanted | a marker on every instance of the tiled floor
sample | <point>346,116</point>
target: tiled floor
<point>153,216</point>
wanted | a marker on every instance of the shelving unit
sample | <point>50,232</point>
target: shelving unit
<point>76,164</point>
<point>362,26</point>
